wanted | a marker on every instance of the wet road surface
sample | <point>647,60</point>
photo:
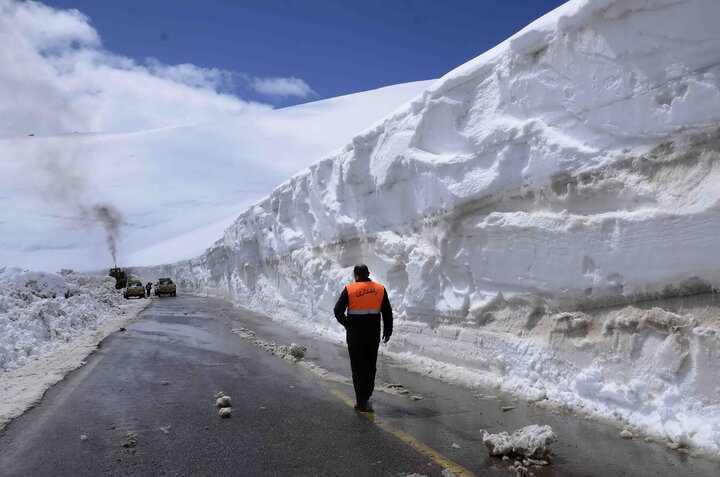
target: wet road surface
<point>286,421</point>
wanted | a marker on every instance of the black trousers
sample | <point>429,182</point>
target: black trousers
<point>363,341</point>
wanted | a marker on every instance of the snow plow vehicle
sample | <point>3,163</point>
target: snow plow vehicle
<point>134,288</point>
<point>119,276</point>
<point>165,286</point>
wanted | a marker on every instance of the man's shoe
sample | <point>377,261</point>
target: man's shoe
<point>367,407</point>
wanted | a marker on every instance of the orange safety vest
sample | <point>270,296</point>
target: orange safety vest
<point>365,298</point>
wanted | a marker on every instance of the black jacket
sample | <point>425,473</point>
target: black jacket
<point>386,310</point>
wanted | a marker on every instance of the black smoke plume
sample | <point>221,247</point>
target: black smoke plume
<point>66,186</point>
<point>111,220</point>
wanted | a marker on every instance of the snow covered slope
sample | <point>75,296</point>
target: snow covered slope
<point>163,183</point>
<point>573,167</point>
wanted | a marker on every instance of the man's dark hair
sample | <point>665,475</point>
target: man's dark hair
<point>361,271</point>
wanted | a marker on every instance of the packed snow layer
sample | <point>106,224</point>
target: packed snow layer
<point>48,324</point>
<point>41,311</point>
<point>175,189</point>
<point>573,167</point>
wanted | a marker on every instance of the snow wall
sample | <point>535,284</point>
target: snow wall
<point>519,211</point>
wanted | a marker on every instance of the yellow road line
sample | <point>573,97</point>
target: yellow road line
<point>434,455</point>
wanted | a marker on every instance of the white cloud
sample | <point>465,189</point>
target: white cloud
<point>56,78</point>
<point>281,87</point>
<point>191,75</point>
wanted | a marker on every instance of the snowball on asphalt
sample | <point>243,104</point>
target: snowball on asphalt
<point>532,441</point>
<point>225,412</point>
<point>297,351</point>
<point>223,401</point>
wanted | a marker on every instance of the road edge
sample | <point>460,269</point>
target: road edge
<point>23,388</point>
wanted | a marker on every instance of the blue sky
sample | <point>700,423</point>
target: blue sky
<point>335,46</point>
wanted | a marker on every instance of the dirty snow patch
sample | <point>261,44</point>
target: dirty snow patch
<point>533,442</point>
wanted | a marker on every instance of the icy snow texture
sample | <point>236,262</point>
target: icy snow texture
<point>223,401</point>
<point>49,323</point>
<point>296,351</point>
<point>41,311</point>
<point>532,441</point>
<point>572,167</point>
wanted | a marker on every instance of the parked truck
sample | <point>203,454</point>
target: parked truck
<point>165,286</point>
<point>134,288</point>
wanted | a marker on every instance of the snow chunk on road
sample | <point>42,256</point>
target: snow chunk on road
<point>532,441</point>
<point>297,351</point>
<point>131,440</point>
<point>293,353</point>
<point>223,401</point>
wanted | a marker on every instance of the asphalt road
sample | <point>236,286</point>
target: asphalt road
<point>163,372</point>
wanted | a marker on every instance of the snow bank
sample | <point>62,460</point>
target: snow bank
<point>48,324</point>
<point>41,311</point>
<point>574,167</point>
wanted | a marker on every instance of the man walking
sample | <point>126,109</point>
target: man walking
<point>365,301</point>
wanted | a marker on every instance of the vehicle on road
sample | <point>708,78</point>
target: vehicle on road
<point>165,286</point>
<point>134,288</point>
